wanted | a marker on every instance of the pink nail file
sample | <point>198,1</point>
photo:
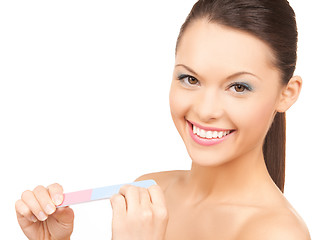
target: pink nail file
<point>99,193</point>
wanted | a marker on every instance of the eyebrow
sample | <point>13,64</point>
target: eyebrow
<point>242,73</point>
<point>229,77</point>
<point>187,68</point>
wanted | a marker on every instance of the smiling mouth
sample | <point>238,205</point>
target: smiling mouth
<point>210,134</point>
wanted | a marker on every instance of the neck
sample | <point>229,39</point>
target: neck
<point>238,179</point>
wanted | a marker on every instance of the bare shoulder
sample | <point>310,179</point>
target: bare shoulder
<point>279,224</point>
<point>163,179</point>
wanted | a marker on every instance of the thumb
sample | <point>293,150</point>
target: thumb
<point>64,215</point>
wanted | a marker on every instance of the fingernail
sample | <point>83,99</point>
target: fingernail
<point>49,209</point>
<point>58,199</point>
<point>42,216</point>
<point>33,218</point>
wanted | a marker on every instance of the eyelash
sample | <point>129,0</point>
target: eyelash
<point>246,86</point>
<point>182,78</point>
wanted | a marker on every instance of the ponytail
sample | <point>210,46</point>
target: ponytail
<point>274,150</point>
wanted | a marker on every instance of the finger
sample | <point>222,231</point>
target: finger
<point>30,200</point>
<point>145,199</point>
<point>44,199</point>
<point>158,203</point>
<point>118,205</point>
<point>131,195</point>
<point>157,195</point>
<point>64,215</point>
<point>56,193</point>
<point>23,210</point>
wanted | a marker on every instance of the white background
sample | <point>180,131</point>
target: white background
<point>84,102</point>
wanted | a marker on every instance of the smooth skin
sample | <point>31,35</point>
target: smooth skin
<point>138,214</point>
<point>38,217</point>
<point>228,193</point>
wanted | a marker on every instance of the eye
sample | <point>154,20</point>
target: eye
<point>240,87</point>
<point>188,80</point>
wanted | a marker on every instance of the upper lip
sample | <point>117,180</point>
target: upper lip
<point>209,128</point>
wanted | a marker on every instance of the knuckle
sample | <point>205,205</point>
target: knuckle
<point>21,209</point>
<point>38,189</point>
<point>116,198</point>
<point>131,188</point>
<point>161,213</point>
<point>25,194</point>
<point>128,189</point>
<point>18,205</point>
<point>146,215</point>
<point>154,187</point>
<point>143,190</point>
<point>124,188</point>
<point>55,186</point>
<point>23,212</point>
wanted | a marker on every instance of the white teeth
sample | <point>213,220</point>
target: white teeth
<point>202,133</point>
<point>209,134</point>
<point>215,134</point>
<point>194,129</point>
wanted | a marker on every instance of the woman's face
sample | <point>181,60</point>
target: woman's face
<point>224,94</point>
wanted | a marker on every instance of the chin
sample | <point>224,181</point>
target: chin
<point>205,159</point>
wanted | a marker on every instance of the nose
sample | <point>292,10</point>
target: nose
<point>208,106</point>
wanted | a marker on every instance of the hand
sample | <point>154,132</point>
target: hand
<point>38,216</point>
<point>139,213</point>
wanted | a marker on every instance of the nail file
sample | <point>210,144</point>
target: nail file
<point>99,193</point>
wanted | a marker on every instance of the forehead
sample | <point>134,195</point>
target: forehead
<point>207,46</point>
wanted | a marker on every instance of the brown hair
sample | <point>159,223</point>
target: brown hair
<point>272,21</point>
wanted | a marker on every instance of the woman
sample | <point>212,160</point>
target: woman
<point>232,83</point>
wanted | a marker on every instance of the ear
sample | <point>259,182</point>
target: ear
<point>289,94</point>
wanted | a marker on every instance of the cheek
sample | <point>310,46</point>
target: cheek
<point>255,119</point>
<point>178,103</point>
<point>264,116</point>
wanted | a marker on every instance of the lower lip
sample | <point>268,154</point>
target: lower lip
<point>206,141</point>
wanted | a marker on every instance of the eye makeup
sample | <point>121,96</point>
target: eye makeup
<point>244,85</point>
<point>188,80</point>
<point>239,87</point>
